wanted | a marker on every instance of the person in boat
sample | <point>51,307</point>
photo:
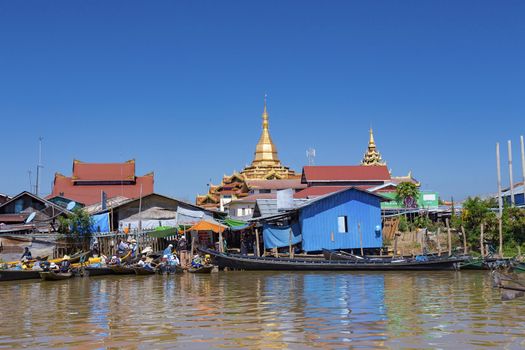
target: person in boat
<point>133,247</point>
<point>114,260</point>
<point>182,249</point>
<point>37,265</point>
<point>26,254</point>
<point>196,262</point>
<point>53,267</point>
<point>122,248</point>
<point>65,265</point>
<point>169,250</point>
<point>173,260</point>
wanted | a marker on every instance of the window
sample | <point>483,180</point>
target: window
<point>342,224</point>
<point>265,191</point>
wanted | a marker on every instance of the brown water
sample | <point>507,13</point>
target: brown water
<point>262,310</point>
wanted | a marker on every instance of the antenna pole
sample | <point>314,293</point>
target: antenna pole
<point>39,165</point>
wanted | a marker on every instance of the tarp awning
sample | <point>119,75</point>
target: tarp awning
<point>237,225</point>
<point>208,226</point>
<point>281,236</point>
<point>163,233</point>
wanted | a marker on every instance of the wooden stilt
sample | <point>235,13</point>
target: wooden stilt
<point>464,240</point>
<point>438,237</point>
<point>258,249</point>
<point>449,237</point>
<point>481,242</point>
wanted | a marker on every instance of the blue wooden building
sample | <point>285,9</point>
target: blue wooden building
<point>334,221</point>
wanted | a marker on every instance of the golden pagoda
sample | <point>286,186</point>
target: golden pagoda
<point>266,164</point>
<point>372,156</point>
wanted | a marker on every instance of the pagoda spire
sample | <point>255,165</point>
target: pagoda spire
<point>372,156</point>
<point>265,151</point>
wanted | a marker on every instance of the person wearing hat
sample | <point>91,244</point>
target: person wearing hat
<point>182,248</point>
<point>133,247</point>
<point>65,265</point>
<point>168,250</point>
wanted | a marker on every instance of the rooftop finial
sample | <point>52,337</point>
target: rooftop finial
<point>265,113</point>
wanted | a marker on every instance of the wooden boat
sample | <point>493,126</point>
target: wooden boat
<point>265,263</point>
<point>15,275</point>
<point>484,264</point>
<point>55,276</point>
<point>171,269</point>
<point>140,270</point>
<point>202,269</point>
<point>97,271</point>
<point>122,269</point>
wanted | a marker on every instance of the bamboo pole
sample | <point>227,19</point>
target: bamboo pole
<point>360,238</point>
<point>257,242</point>
<point>481,241</point>
<point>509,146</point>
<point>464,240</point>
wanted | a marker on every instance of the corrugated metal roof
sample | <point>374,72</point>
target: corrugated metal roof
<point>268,207</point>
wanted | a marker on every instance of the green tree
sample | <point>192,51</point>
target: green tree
<point>407,194</point>
<point>476,211</point>
<point>513,221</point>
<point>78,222</point>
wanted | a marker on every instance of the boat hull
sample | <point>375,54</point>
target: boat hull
<point>277,264</point>
<point>53,276</point>
<point>143,271</point>
<point>202,269</point>
<point>98,271</point>
<point>16,275</point>
<point>122,270</point>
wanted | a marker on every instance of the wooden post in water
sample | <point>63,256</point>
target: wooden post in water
<point>449,237</point>
<point>360,238</point>
<point>290,250</point>
<point>464,240</point>
<point>500,201</point>
<point>481,241</point>
<point>221,247</point>
<point>258,249</point>
<point>395,244</point>
<point>438,235</point>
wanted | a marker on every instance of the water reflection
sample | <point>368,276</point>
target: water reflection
<point>262,310</point>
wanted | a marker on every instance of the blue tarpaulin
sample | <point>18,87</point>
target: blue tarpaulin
<point>279,236</point>
<point>100,223</point>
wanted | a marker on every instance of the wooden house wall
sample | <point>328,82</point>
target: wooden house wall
<point>319,222</point>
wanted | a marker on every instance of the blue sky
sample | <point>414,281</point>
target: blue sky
<point>179,86</point>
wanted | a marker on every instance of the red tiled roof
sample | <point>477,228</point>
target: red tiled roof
<point>103,171</point>
<point>276,184</point>
<point>314,173</point>
<point>66,187</point>
<point>316,191</point>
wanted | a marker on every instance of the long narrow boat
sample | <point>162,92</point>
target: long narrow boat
<point>201,269</point>
<point>140,270</point>
<point>98,271</point>
<point>15,275</point>
<point>55,276</point>
<point>331,255</point>
<point>484,264</point>
<point>263,263</point>
<point>122,269</point>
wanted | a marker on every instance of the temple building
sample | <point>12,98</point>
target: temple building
<point>90,181</point>
<point>265,168</point>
